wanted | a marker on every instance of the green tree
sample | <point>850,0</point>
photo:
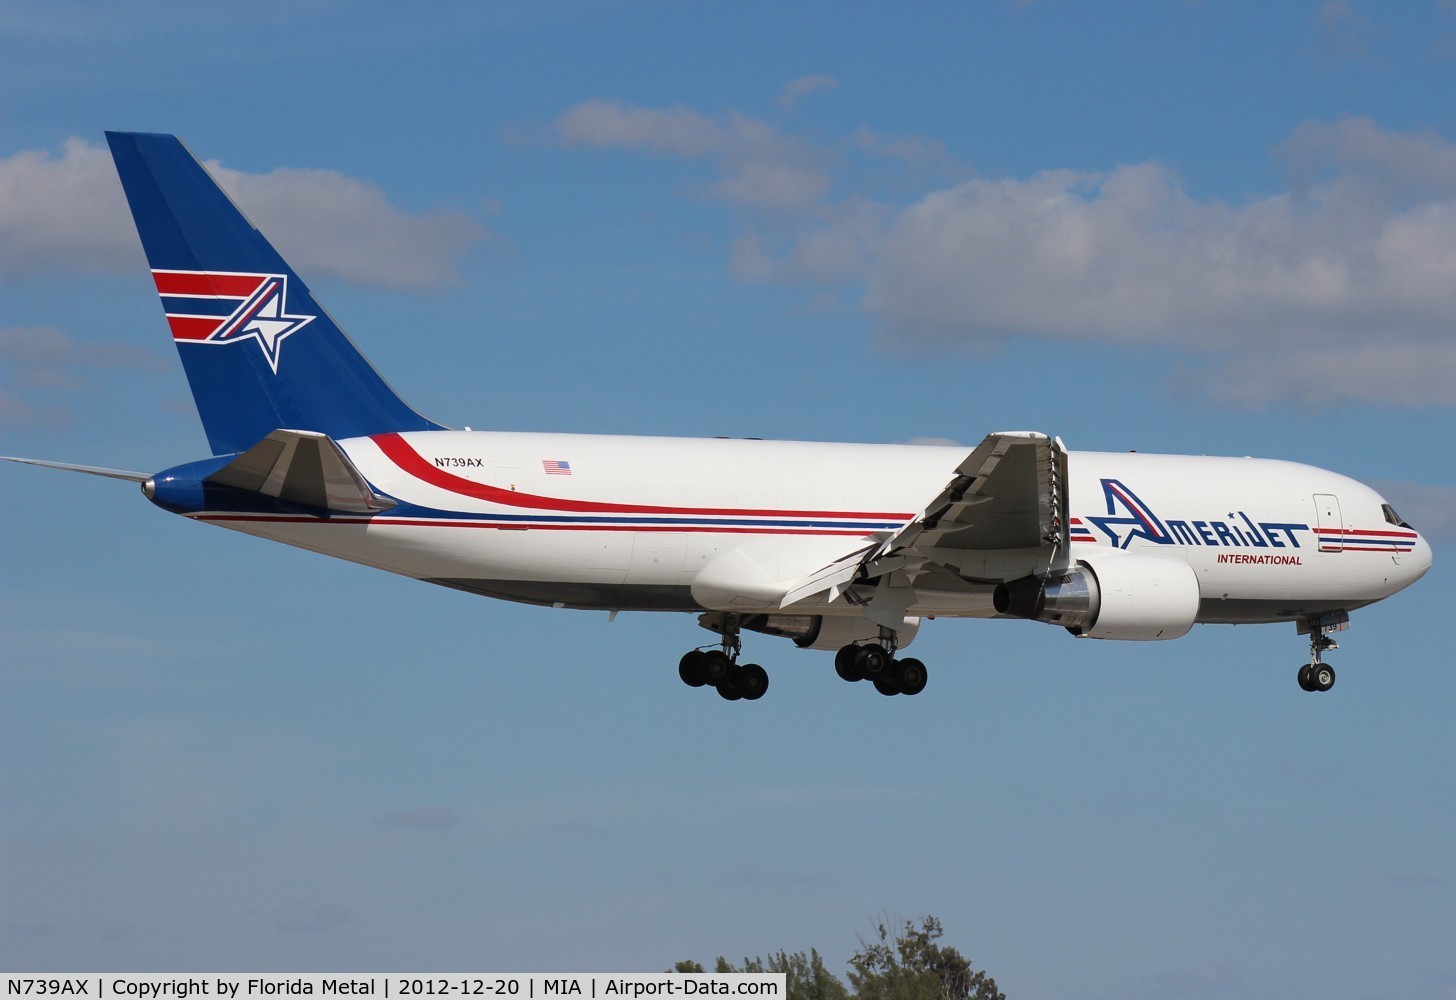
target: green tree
<point>905,964</point>
<point>806,976</point>
<point>911,964</point>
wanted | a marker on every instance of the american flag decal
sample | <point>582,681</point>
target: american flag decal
<point>553,467</point>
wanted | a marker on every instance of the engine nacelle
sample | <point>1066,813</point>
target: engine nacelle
<point>825,631</point>
<point>1115,597</point>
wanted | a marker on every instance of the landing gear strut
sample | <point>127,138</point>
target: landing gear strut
<point>1317,675</point>
<point>877,664</point>
<point>720,669</point>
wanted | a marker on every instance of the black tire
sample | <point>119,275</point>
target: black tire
<point>1322,677</point>
<point>716,666</point>
<point>728,687</point>
<point>1304,677</point>
<point>752,681</point>
<point>886,685</point>
<point>911,675</point>
<point>871,660</point>
<point>690,668</point>
<point>844,664</point>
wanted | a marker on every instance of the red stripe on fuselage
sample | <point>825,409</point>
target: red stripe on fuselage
<point>1361,531</point>
<point>514,526</point>
<point>412,462</point>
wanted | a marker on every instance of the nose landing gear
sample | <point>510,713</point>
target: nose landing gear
<point>1317,675</point>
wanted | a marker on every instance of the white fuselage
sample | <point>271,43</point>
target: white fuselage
<point>597,521</point>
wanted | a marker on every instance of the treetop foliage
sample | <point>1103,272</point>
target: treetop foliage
<point>901,962</point>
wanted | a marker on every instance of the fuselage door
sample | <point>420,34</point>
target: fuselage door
<point>657,558</point>
<point>1331,525</point>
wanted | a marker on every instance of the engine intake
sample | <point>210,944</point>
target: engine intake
<point>1118,597</point>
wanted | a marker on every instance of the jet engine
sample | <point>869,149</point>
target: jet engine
<point>1117,597</point>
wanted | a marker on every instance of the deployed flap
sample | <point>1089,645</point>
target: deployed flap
<point>831,578</point>
<point>1008,494</point>
<point>302,467</point>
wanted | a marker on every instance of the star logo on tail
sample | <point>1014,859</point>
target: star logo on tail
<point>264,318</point>
<point>221,307</point>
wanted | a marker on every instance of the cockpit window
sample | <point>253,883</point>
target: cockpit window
<point>1392,517</point>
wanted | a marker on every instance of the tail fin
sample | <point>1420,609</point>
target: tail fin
<point>259,352</point>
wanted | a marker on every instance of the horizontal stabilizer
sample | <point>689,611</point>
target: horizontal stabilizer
<point>305,468</point>
<point>90,470</point>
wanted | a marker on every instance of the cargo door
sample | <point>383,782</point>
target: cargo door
<point>657,558</point>
<point>1330,525</point>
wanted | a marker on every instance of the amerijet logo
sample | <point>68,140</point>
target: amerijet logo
<point>1129,519</point>
<point>228,307</point>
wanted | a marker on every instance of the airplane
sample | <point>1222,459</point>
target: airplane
<point>843,547</point>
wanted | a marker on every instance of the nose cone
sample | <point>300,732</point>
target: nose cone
<point>1413,564</point>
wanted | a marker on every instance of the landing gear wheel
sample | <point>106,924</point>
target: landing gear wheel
<point>751,680</point>
<point>844,663</point>
<point>729,688</point>
<point>871,660</point>
<point>910,675</point>
<point>716,666</point>
<point>1322,677</point>
<point>690,668</point>
<point>886,686</point>
<point>1304,672</point>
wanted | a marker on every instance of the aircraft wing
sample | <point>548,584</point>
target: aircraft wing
<point>1002,514</point>
<point>1009,493</point>
<point>302,467</point>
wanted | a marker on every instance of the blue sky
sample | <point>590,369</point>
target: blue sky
<point>1187,227</point>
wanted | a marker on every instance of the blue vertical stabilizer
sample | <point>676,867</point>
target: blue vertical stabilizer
<point>259,352</point>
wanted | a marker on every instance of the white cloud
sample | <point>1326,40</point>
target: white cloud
<point>1344,31</point>
<point>324,222</point>
<point>63,213</point>
<point>68,213</point>
<point>1390,165</point>
<point>50,348</point>
<point>772,184</point>
<point>1339,286</point>
<point>761,167</point>
<point>18,414</point>
<point>1128,257</point>
<point>796,90</point>
<point>49,365</point>
<point>1342,292</point>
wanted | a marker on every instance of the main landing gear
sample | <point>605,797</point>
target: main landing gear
<point>719,668</point>
<point>1317,675</point>
<point>874,663</point>
<point>868,661</point>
